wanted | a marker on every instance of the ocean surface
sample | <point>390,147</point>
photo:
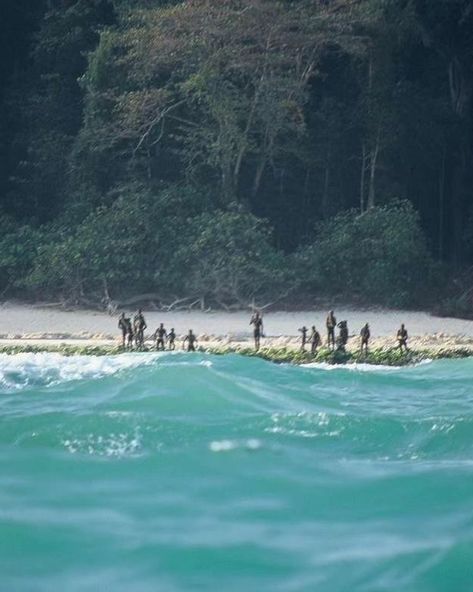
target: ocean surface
<point>177,472</point>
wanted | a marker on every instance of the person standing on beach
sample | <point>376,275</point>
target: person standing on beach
<point>314,340</point>
<point>171,339</point>
<point>402,338</point>
<point>343,335</point>
<point>331,323</point>
<point>124,324</point>
<point>130,334</point>
<point>139,325</point>
<point>191,341</point>
<point>365,337</point>
<point>303,330</point>
<point>160,335</point>
<point>257,322</point>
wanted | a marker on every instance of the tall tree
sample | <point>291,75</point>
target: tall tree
<point>47,101</point>
<point>447,29</point>
<point>221,86</point>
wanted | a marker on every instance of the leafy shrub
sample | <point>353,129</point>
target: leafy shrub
<point>18,245</point>
<point>139,244</point>
<point>228,258</point>
<point>380,256</point>
<point>125,248</point>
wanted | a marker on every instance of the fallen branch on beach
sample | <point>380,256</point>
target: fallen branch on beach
<point>48,304</point>
<point>153,300</point>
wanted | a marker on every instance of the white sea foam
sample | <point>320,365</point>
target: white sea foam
<point>363,367</point>
<point>206,363</point>
<point>222,445</point>
<point>228,445</point>
<point>112,445</point>
<point>45,369</point>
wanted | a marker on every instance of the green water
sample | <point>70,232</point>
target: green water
<point>150,473</point>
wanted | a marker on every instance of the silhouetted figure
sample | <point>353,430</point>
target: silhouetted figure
<point>303,330</point>
<point>160,336</point>
<point>172,340</point>
<point>139,326</point>
<point>402,338</point>
<point>331,323</point>
<point>191,340</point>
<point>365,337</point>
<point>342,335</point>
<point>257,322</point>
<point>124,324</point>
<point>315,340</point>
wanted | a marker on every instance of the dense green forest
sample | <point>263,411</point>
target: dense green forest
<point>227,152</point>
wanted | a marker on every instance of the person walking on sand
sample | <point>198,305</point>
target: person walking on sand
<point>139,326</point>
<point>160,335</point>
<point>172,340</point>
<point>365,337</point>
<point>257,322</point>
<point>191,340</point>
<point>303,330</point>
<point>124,324</point>
<point>402,338</point>
<point>314,340</point>
<point>331,323</point>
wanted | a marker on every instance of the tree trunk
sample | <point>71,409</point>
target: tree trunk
<point>244,144</point>
<point>460,87</point>
<point>281,181</point>
<point>258,176</point>
<point>325,198</point>
<point>442,205</point>
<point>228,187</point>
<point>373,165</point>
<point>460,197</point>
<point>148,165</point>
<point>306,212</point>
<point>362,177</point>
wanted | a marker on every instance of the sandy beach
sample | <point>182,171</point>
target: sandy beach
<point>37,324</point>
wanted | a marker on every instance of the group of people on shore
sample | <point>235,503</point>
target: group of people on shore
<point>340,341</point>
<point>133,332</point>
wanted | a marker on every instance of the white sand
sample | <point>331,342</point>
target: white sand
<point>22,321</point>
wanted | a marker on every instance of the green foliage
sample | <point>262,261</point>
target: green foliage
<point>228,258</point>
<point>124,248</point>
<point>129,129</point>
<point>227,99</point>
<point>378,256</point>
<point>460,306</point>
<point>140,244</point>
<point>376,357</point>
<point>17,252</point>
<point>46,106</point>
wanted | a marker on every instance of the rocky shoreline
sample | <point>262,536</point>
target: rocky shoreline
<point>276,349</point>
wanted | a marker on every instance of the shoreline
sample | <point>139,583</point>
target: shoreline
<point>30,328</point>
<point>277,350</point>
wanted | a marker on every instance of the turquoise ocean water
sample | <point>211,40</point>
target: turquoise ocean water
<point>148,472</point>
